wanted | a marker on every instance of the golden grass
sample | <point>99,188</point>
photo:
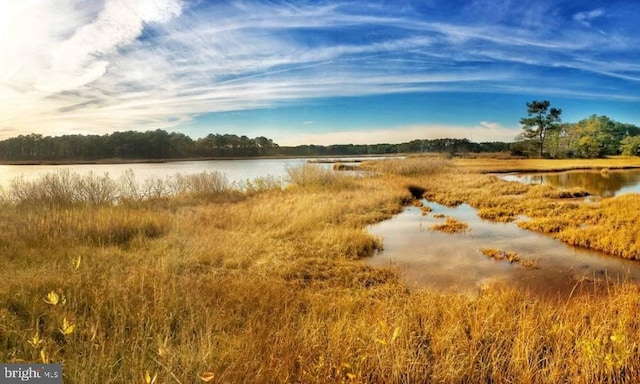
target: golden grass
<point>314,175</point>
<point>545,165</point>
<point>451,226</point>
<point>510,256</point>
<point>609,226</point>
<point>499,254</point>
<point>425,209</point>
<point>271,287</point>
<point>345,167</point>
<point>412,166</point>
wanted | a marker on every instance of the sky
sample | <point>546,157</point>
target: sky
<point>314,72</point>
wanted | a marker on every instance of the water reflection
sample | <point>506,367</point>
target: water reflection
<point>601,183</point>
<point>448,262</point>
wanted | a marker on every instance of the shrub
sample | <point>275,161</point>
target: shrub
<point>451,226</point>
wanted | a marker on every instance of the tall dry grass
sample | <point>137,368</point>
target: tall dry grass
<point>66,188</point>
<point>271,287</point>
<point>62,188</point>
<point>412,166</point>
<point>314,175</point>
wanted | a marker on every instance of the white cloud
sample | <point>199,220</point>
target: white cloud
<point>64,45</point>
<point>83,67</point>
<point>83,58</point>
<point>586,17</point>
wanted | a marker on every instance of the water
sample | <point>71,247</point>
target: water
<point>235,170</point>
<point>453,262</point>
<point>605,184</point>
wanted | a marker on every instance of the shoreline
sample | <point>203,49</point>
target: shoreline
<point>564,169</point>
<point>158,161</point>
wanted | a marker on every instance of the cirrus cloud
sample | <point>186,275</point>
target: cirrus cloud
<point>99,66</point>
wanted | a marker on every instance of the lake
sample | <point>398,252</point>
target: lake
<point>235,170</point>
<point>454,262</point>
<point>601,183</point>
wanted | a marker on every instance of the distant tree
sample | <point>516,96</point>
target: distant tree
<point>630,146</point>
<point>626,129</point>
<point>597,136</point>
<point>539,122</point>
<point>264,145</point>
<point>522,146</point>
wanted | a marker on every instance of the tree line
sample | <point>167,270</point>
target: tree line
<point>131,145</point>
<point>159,144</point>
<point>416,146</point>
<point>544,135</point>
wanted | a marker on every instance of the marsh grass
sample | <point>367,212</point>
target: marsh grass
<point>609,226</point>
<point>62,188</point>
<point>315,176</point>
<point>413,166</point>
<point>345,167</point>
<point>271,287</point>
<point>484,165</point>
<point>65,188</point>
<point>499,254</point>
<point>451,226</point>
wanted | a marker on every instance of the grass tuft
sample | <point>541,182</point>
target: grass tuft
<point>451,226</point>
<point>499,254</point>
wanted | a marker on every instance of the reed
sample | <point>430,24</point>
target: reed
<point>271,287</point>
<point>65,188</point>
<point>313,175</point>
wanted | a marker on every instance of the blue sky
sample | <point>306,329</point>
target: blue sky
<point>313,72</point>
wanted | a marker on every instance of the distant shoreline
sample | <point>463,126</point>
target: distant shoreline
<point>153,161</point>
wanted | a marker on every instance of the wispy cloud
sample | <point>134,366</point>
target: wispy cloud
<point>55,64</point>
<point>586,17</point>
<point>84,57</point>
<point>89,66</point>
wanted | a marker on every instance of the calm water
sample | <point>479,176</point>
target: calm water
<point>235,170</point>
<point>429,258</point>
<point>612,183</point>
